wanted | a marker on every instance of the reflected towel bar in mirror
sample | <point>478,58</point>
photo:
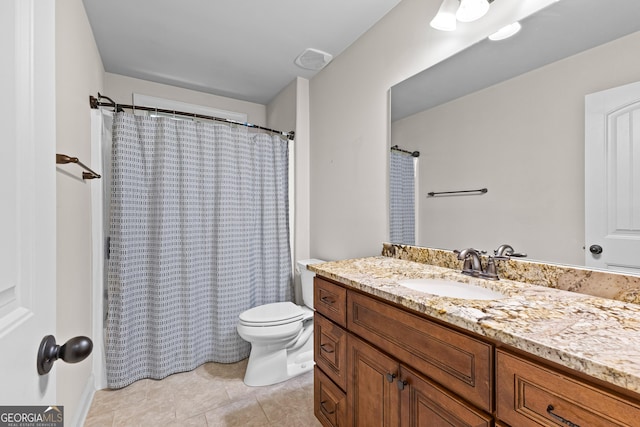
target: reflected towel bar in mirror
<point>433,193</point>
<point>63,159</point>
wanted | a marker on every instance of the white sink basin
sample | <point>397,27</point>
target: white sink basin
<point>451,289</point>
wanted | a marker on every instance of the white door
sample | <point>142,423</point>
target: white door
<point>612,179</point>
<point>27,198</point>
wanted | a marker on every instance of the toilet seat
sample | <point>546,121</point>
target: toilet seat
<point>274,314</point>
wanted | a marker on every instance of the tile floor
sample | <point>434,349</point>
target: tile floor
<point>211,395</point>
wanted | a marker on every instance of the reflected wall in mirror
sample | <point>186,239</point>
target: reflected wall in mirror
<point>509,116</point>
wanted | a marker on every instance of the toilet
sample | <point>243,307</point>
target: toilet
<point>281,335</point>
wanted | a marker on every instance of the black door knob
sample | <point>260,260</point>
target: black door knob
<point>73,351</point>
<point>595,249</point>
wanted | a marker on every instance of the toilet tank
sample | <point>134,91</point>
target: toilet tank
<point>306,280</point>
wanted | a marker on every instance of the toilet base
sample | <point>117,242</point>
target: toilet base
<point>271,364</point>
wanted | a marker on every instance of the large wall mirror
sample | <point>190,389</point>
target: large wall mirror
<point>509,116</point>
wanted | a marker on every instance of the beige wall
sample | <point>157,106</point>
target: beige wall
<point>523,139</point>
<point>281,111</point>
<point>350,123</point>
<point>79,72</point>
<point>120,89</point>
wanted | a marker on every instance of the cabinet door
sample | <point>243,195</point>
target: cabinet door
<point>425,404</point>
<point>372,392</point>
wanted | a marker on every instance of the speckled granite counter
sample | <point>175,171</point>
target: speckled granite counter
<point>605,284</point>
<point>596,336</point>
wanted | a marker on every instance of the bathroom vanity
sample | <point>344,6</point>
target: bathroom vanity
<point>389,355</point>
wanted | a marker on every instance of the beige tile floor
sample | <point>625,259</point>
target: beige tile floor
<point>211,395</point>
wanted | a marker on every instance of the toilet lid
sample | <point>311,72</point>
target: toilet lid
<point>277,313</point>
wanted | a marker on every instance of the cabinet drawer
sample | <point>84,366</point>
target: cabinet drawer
<point>462,364</point>
<point>330,349</point>
<point>330,402</point>
<point>330,300</point>
<point>532,395</point>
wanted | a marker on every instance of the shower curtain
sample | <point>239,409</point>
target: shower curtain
<point>402,198</point>
<point>199,233</point>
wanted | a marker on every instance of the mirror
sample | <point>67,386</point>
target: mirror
<point>509,116</point>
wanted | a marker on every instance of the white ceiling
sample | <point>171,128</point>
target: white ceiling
<point>243,49</point>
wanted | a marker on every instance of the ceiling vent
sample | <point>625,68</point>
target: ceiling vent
<point>313,59</point>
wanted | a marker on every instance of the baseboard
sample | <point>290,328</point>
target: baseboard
<point>85,403</point>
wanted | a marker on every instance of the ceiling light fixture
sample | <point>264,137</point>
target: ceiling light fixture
<point>471,10</point>
<point>452,11</point>
<point>445,19</point>
<point>506,32</point>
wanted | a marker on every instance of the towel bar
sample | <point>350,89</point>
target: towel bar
<point>89,174</point>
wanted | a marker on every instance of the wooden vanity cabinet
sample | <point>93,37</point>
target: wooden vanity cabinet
<point>378,364</point>
<point>375,373</point>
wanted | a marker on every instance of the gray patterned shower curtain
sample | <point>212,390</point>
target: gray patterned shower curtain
<point>199,233</point>
<point>402,225</point>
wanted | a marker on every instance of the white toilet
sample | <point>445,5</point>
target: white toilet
<point>281,335</point>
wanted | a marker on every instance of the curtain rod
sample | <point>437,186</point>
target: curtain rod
<point>95,103</point>
<point>413,153</point>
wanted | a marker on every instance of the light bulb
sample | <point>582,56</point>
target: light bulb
<point>506,32</point>
<point>470,10</point>
<point>445,19</point>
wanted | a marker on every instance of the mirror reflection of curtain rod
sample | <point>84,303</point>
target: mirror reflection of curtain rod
<point>95,103</point>
<point>413,153</point>
<point>63,159</point>
<point>433,193</point>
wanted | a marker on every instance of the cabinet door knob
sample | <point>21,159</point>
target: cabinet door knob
<point>401,384</point>
<point>391,377</point>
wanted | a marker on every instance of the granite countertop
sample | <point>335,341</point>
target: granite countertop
<point>596,336</point>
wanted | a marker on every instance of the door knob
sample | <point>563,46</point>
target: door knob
<point>73,351</point>
<point>595,249</point>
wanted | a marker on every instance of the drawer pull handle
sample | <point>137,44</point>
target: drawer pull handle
<point>557,417</point>
<point>326,348</point>
<point>324,408</point>
<point>401,384</point>
<point>328,300</point>
<point>391,377</point>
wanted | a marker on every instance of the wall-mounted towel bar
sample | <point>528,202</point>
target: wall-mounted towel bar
<point>63,159</point>
<point>439,193</point>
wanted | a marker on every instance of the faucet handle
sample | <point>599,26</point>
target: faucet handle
<point>506,251</point>
<point>518,255</point>
<point>491,271</point>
